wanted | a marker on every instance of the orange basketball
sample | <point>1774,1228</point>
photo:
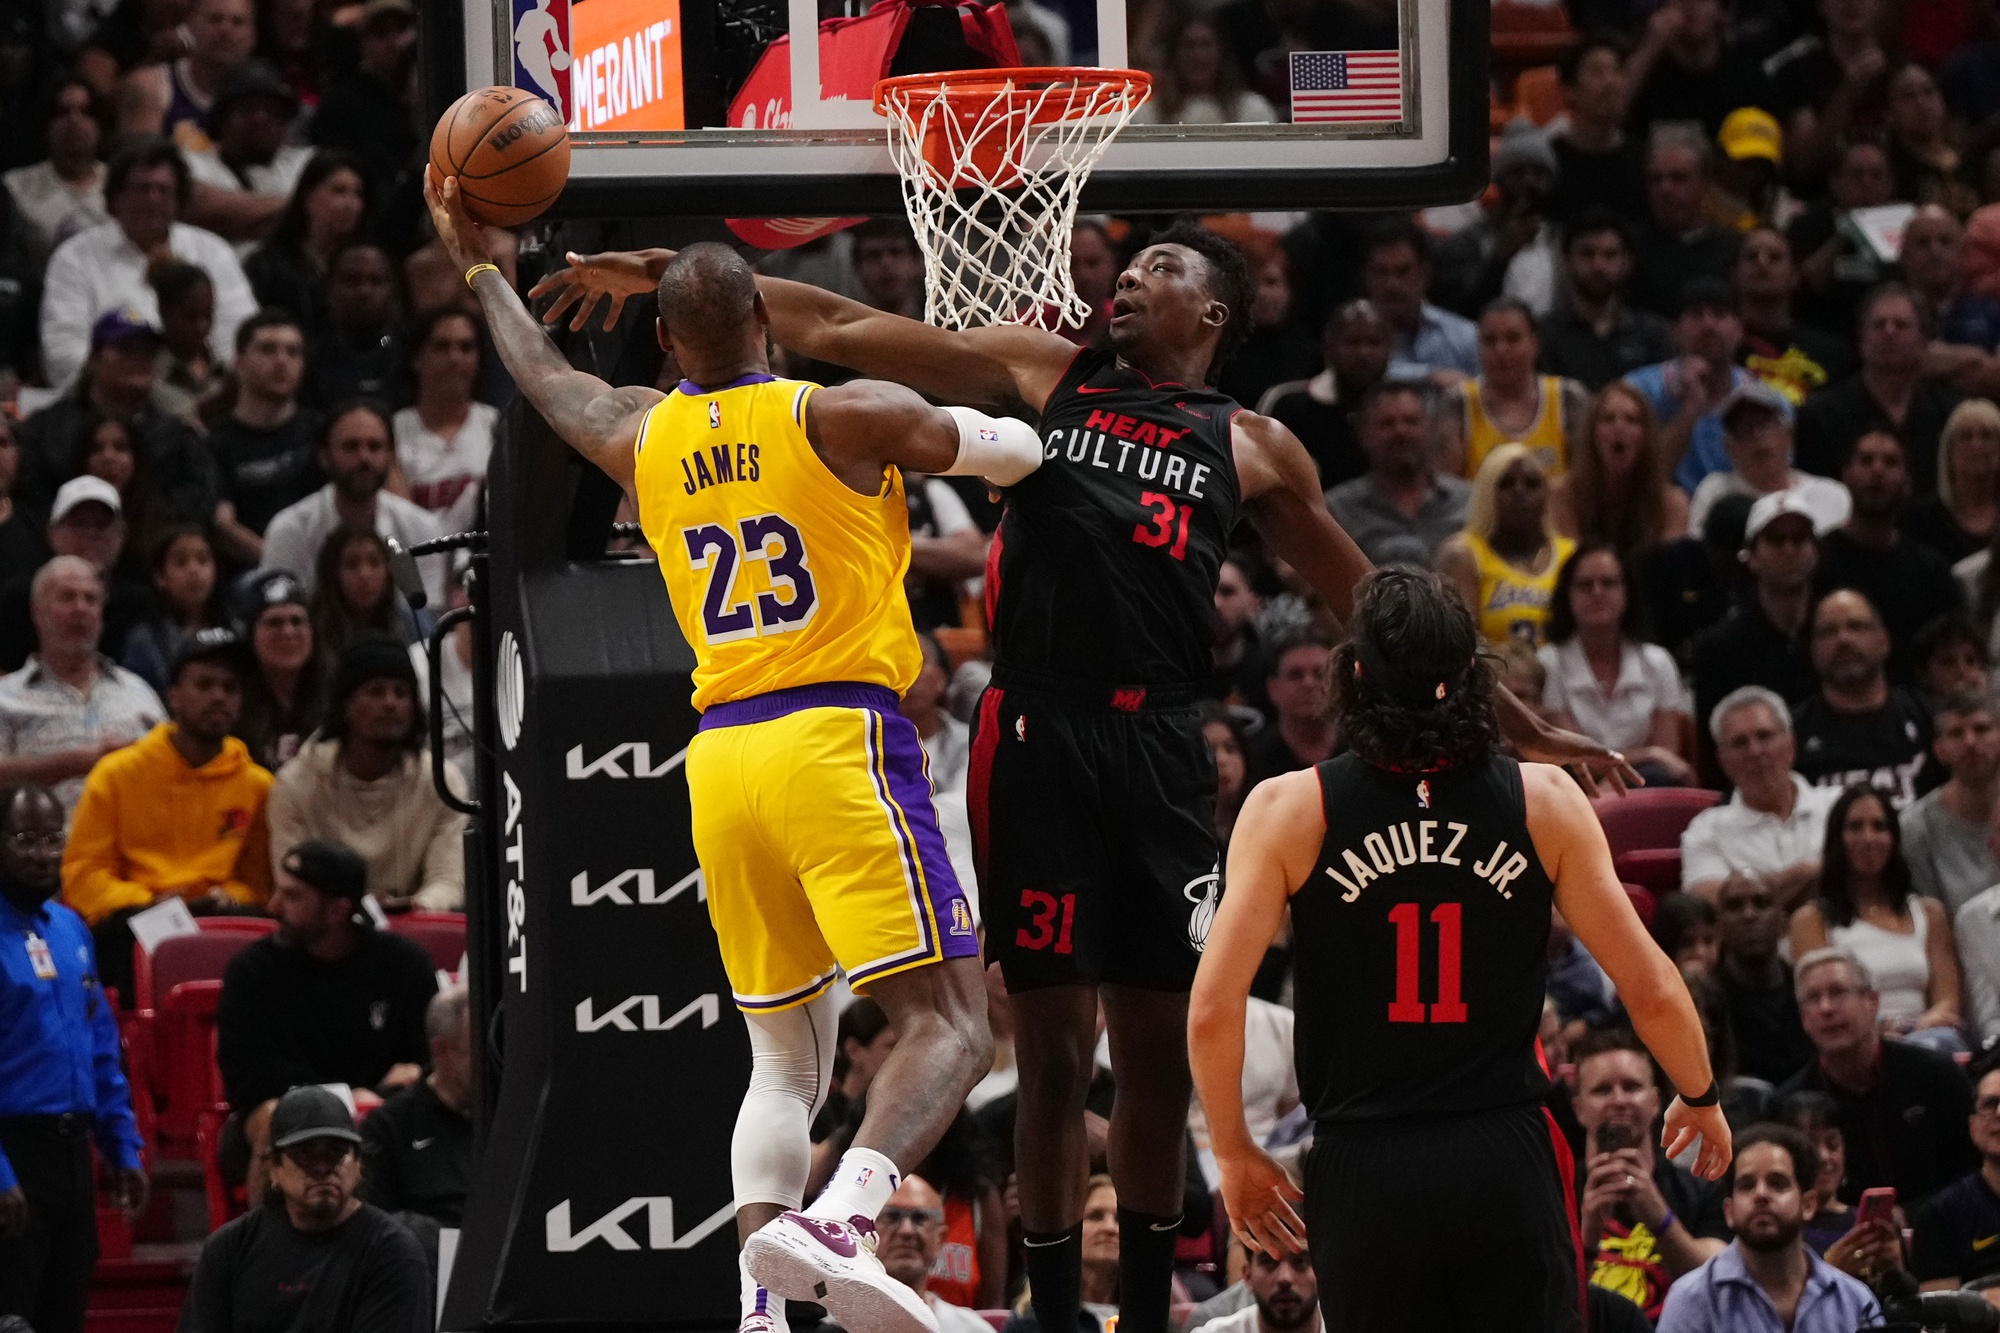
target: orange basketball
<point>509,150</point>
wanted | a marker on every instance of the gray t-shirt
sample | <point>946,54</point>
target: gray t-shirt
<point>1948,857</point>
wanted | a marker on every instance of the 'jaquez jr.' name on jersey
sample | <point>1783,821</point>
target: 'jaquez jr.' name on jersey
<point>1128,446</point>
<point>1427,842</point>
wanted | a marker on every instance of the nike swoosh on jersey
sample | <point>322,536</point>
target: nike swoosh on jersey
<point>1986,1243</point>
<point>1102,388</point>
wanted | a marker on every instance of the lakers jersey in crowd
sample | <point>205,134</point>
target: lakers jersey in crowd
<point>810,798</point>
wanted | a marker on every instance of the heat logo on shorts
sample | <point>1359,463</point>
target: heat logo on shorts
<point>1201,891</point>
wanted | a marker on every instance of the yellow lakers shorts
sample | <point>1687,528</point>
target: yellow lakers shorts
<point>814,825</point>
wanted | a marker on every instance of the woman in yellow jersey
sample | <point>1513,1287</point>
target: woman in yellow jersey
<point>1508,403</point>
<point>1506,561</point>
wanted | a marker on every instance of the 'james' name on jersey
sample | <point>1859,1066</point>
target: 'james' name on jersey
<point>1128,522</point>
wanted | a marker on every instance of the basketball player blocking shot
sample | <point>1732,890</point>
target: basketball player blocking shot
<point>777,511</point>
<point>1419,869</point>
<point>1091,791</point>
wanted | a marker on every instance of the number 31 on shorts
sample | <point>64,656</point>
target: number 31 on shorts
<point>766,537</point>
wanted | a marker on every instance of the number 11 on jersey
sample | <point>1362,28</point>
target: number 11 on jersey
<point>1407,1007</point>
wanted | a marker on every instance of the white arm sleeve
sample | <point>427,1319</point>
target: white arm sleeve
<point>999,449</point>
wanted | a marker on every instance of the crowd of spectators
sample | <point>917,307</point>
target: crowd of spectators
<point>1695,406</point>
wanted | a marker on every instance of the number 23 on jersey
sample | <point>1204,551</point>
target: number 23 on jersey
<point>725,552</point>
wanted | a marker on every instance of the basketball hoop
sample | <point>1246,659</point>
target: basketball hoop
<point>993,162</point>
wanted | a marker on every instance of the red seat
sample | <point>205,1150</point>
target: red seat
<point>1654,869</point>
<point>1651,816</point>
<point>441,933</point>
<point>1643,902</point>
<point>184,1055</point>
<point>192,957</point>
<point>997,1318</point>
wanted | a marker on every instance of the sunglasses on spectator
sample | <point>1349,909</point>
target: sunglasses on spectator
<point>891,1218</point>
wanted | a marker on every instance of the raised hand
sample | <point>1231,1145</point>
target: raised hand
<point>612,276</point>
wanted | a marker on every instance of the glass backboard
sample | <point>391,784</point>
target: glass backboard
<point>687,107</point>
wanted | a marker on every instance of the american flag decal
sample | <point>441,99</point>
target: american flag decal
<point>1347,87</point>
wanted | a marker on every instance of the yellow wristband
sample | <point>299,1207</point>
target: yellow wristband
<point>478,269</point>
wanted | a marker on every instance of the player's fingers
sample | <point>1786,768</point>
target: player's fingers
<point>1628,776</point>
<point>616,309</point>
<point>1293,1224</point>
<point>1678,1143</point>
<point>1585,779</point>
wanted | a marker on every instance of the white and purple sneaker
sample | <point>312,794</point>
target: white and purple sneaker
<point>805,1258</point>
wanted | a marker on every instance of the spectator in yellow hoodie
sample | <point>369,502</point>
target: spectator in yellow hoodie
<point>179,812</point>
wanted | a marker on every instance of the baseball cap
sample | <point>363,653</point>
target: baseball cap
<point>1773,507</point>
<point>1749,132</point>
<point>122,324</point>
<point>253,78</point>
<point>333,868</point>
<point>215,644</point>
<point>1706,294</point>
<point>1753,395</point>
<point>308,1113</point>
<point>84,490</point>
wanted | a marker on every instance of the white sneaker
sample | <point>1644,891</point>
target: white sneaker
<point>811,1259</point>
<point>761,1322</point>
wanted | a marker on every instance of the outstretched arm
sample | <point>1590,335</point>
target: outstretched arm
<point>992,367</point>
<point>1282,496</point>
<point>1573,850</point>
<point>863,425</point>
<point>598,421</point>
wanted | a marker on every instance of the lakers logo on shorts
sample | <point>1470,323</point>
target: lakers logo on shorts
<point>1201,892</point>
<point>961,917</point>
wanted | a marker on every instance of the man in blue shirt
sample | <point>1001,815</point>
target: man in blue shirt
<point>1687,393</point>
<point>1769,1280</point>
<point>60,1084</point>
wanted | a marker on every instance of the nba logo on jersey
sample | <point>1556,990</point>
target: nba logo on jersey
<point>714,416</point>
<point>1424,794</point>
<point>541,52</point>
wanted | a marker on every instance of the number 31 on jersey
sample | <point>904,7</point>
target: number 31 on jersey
<point>790,603</point>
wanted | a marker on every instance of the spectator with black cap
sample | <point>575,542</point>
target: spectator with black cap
<point>104,267</point>
<point>61,1086</point>
<point>324,998</point>
<point>178,813</point>
<point>241,182</point>
<point>1757,435</point>
<point>365,781</point>
<point>284,688</point>
<point>1687,392</point>
<point>316,1256</point>
<point>416,1148</point>
<point>119,380</point>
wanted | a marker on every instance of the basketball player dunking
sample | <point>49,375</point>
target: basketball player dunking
<point>1091,791</point>
<point>779,520</point>
<point>1419,868</point>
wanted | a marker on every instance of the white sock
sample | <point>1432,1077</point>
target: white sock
<point>860,1187</point>
<point>756,1300</point>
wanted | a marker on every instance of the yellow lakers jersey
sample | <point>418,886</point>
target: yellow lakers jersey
<point>779,573</point>
<point>1546,435</point>
<point>1513,603</point>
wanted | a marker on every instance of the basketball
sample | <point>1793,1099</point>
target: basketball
<point>509,150</point>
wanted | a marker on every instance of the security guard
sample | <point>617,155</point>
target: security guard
<point>60,1084</point>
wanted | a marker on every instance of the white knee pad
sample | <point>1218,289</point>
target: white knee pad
<point>791,1070</point>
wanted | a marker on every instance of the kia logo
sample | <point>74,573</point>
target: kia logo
<point>610,1228</point>
<point>648,1006</point>
<point>612,763</point>
<point>642,883</point>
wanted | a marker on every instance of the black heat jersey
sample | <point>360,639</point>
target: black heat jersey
<point>1421,945</point>
<point>1108,554</point>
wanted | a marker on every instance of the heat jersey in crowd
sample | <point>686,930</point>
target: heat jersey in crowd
<point>1107,558</point>
<point>1421,942</point>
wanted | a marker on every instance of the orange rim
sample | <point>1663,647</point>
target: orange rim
<point>971,91</point>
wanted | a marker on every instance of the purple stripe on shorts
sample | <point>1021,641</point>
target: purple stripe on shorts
<point>910,789</point>
<point>778,703</point>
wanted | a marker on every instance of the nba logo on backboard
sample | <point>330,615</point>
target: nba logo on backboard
<point>1424,794</point>
<point>541,51</point>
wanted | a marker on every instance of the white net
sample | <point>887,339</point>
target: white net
<point>992,168</point>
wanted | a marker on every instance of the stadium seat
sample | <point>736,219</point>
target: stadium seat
<point>997,1318</point>
<point>155,1050</point>
<point>1643,902</point>
<point>1657,870</point>
<point>225,1201</point>
<point>192,957</point>
<point>1651,817</point>
<point>441,933</point>
<point>184,1054</point>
